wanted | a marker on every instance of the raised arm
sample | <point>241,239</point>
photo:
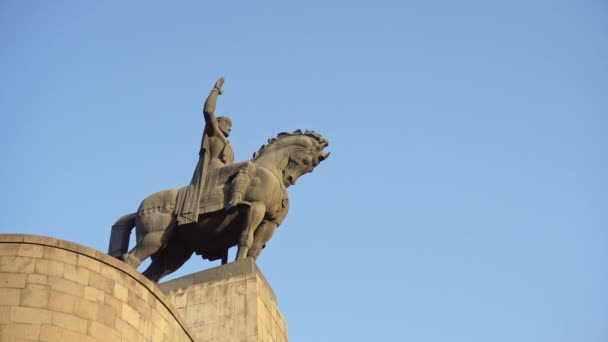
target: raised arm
<point>209,109</point>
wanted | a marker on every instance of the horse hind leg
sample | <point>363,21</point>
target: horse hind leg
<point>153,231</point>
<point>119,238</point>
<point>147,245</point>
<point>166,262</point>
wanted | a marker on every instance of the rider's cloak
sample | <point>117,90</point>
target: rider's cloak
<point>187,205</point>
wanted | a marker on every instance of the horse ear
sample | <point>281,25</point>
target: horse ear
<point>324,156</point>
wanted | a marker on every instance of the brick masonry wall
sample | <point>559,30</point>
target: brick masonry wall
<point>231,302</point>
<point>55,290</point>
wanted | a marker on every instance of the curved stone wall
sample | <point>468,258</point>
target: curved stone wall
<point>55,290</point>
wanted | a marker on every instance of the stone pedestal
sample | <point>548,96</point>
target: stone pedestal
<point>232,302</point>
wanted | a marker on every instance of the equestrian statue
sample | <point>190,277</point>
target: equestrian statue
<point>226,204</point>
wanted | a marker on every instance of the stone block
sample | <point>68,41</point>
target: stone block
<point>114,303</point>
<point>49,333</point>
<point>74,247</point>
<point>157,335</point>
<point>106,315</point>
<point>85,309</point>
<point>88,263</point>
<point>141,291</point>
<point>38,279</point>
<point>38,240</point>
<point>70,322</point>
<point>34,251</point>
<point>145,328</point>
<point>104,333</point>
<point>76,274</point>
<point>156,318</point>
<point>164,312</point>
<point>11,238</point>
<point>17,264</point>
<point>5,314</point>
<point>9,249</point>
<point>94,295</point>
<point>62,302</point>
<point>36,286</point>
<point>62,255</point>
<point>30,315</point>
<point>166,328</point>
<point>121,292</point>
<point>9,296</point>
<point>127,331</point>
<point>65,286</point>
<point>17,331</point>
<point>129,315</point>
<point>100,282</point>
<point>35,297</point>
<point>113,274</point>
<point>49,267</point>
<point>14,280</point>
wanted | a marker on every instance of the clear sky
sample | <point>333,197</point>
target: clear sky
<point>465,199</point>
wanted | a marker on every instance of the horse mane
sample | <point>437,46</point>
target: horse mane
<point>311,134</point>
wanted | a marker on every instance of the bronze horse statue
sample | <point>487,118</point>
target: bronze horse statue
<point>249,225</point>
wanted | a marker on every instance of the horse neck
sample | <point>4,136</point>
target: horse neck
<point>275,160</point>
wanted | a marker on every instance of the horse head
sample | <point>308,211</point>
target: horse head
<point>293,154</point>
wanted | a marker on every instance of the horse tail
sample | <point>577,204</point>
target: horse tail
<point>121,232</point>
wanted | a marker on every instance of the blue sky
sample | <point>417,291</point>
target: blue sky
<point>465,197</point>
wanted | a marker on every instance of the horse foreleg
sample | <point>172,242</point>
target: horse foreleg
<point>262,234</point>
<point>253,217</point>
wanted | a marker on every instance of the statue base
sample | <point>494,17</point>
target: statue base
<point>232,302</point>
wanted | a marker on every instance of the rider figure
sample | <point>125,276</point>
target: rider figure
<point>215,152</point>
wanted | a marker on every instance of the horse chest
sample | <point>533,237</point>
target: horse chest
<point>279,203</point>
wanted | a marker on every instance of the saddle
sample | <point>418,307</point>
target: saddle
<point>217,188</point>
